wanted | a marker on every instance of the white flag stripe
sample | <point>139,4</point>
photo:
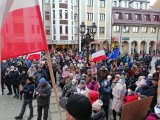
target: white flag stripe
<point>97,54</point>
<point>18,4</point>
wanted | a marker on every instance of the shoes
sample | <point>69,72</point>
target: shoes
<point>8,94</point>
<point>30,118</point>
<point>18,117</point>
<point>14,96</point>
<point>2,93</point>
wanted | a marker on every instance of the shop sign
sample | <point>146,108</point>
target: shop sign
<point>63,42</point>
<point>125,38</point>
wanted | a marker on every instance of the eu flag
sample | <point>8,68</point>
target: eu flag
<point>114,54</point>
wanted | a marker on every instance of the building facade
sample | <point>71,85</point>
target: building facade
<point>62,19</point>
<point>98,12</point>
<point>135,26</point>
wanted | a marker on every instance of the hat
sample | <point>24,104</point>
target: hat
<point>118,76</point>
<point>82,82</point>
<point>42,81</point>
<point>150,76</point>
<point>77,105</point>
<point>109,77</point>
<point>157,109</point>
<point>154,79</point>
<point>65,67</point>
<point>103,68</point>
<point>30,79</point>
<point>97,105</point>
<point>132,87</point>
<point>40,66</point>
<point>143,82</point>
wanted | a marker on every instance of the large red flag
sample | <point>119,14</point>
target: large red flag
<point>22,30</point>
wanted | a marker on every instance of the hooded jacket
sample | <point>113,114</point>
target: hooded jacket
<point>45,93</point>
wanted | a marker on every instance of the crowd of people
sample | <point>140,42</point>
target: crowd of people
<point>107,84</point>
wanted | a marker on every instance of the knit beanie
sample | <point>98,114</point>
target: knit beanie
<point>97,105</point>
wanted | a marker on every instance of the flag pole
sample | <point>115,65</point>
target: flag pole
<point>53,82</point>
<point>0,64</point>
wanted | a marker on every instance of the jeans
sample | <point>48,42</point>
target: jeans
<point>39,111</point>
<point>106,108</point>
<point>25,102</point>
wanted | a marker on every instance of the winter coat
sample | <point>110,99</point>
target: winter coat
<point>65,74</point>
<point>14,75</point>
<point>23,78</point>
<point>143,91</point>
<point>153,92</point>
<point>88,79</point>
<point>31,71</point>
<point>152,116</point>
<point>118,97</point>
<point>81,90</point>
<point>68,84</point>
<point>28,91</point>
<point>105,91</point>
<point>131,98</point>
<point>93,86</point>
<point>39,75</point>
<point>45,93</point>
<point>99,115</point>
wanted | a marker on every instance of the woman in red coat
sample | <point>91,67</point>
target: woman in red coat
<point>131,95</point>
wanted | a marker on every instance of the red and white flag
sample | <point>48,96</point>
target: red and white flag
<point>34,56</point>
<point>21,28</point>
<point>98,56</point>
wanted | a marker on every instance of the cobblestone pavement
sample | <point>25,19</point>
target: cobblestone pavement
<point>10,107</point>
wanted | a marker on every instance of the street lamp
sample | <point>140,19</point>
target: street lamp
<point>88,37</point>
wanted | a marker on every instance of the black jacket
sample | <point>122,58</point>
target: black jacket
<point>99,116</point>
<point>45,93</point>
<point>153,92</point>
<point>14,75</point>
<point>28,91</point>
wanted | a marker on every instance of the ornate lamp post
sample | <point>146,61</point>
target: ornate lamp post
<point>88,37</point>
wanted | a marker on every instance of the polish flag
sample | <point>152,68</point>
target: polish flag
<point>98,56</point>
<point>34,56</point>
<point>21,28</point>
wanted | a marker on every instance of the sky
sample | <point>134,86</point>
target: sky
<point>152,1</point>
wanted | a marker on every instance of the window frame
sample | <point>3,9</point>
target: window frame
<point>90,16</point>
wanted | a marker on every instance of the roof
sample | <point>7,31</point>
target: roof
<point>156,5</point>
<point>139,1</point>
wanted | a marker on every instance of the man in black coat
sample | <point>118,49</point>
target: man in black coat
<point>28,90</point>
<point>153,92</point>
<point>14,75</point>
<point>43,93</point>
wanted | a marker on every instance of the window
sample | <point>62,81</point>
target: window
<point>144,29</point>
<point>60,0</point>
<point>125,29</point>
<point>33,30</point>
<point>89,2</point>
<point>128,16</point>
<point>156,17</point>
<point>90,16</point>
<point>147,18</point>
<point>102,3</point>
<point>38,29</point>
<point>102,17</point>
<point>101,29</point>
<point>60,14</point>
<point>53,14</point>
<point>116,28</point>
<point>138,16</point>
<point>123,4</point>
<point>146,6</point>
<point>47,15</point>
<point>66,29</point>
<point>54,30</point>
<point>118,16</point>
<point>66,14</point>
<point>47,30</point>
<point>136,6</point>
<point>66,0</point>
<point>135,29</point>
<point>75,17</point>
<point>153,29</point>
<point>60,28</point>
<point>47,1</point>
<point>115,4</point>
